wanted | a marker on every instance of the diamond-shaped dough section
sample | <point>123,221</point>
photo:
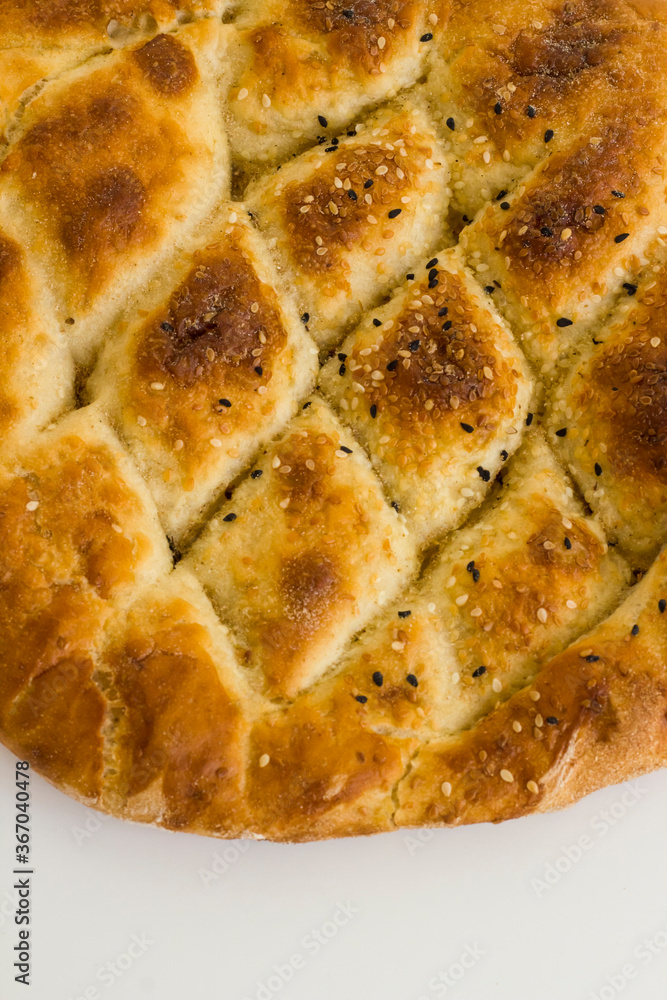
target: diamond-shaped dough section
<point>36,371</point>
<point>78,532</point>
<point>436,389</point>
<point>348,219</point>
<point>561,247</point>
<point>113,161</point>
<point>303,554</point>
<point>528,576</point>
<point>521,86</point>
<point>608,420</point>
<point>575,729</point>
<point>211,373</point>
<point>304,70</point>
<point>181,713</point>
<point>320,770</point>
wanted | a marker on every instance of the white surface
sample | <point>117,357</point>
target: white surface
<point>420,902</point>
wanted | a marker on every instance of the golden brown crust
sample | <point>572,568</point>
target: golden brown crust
<point>429,593</point>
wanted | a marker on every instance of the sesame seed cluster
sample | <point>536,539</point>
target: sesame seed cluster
<point>333,407</point>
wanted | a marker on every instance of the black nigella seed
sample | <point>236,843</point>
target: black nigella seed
<point>432,262</point>
<point>378,678</point>
<point>323,122</point>
<point>330,149</point>
<point>447,325</point>
<point>548,135</point>
<point>341,356</point>
<point>256,473</point>
<point>368,183</point>
<point>374,411</point>
<point>394,213</point>
<point>467,428</point>
<point>167,327</point>
<point>410,277</point>
<point>529,419</point>
<point>433,283</point>
<point>621,237</point>
<point>348,13</point>
<point>229,517</point>
<point>305,317</point>
<point>475,576</point>
<point>479,671</point>
<point>427,37</point>
<point>404,614</point>
<point>411,679</point>
<point>563,322</point>
<point>470,566</point>
<point>306,405</point>
<point>598,209</point>
<point>501,194</point>
<point>618,194</point>
<point>352,194</point>
<point>591,658</point>
<point>451,124</point>
<point>546,231</point>
<point>561,432</point>
<point>634,630</point>
<point>567,543</point>
<point>361,698</point>
<point>395,505</point>
<point>259,370</point>
<point>348,451</point>
<point>484,474</point>
<point>504,205</point>
<point>350,134</point>
<point>443,311</point>
<point>433,273</point>
<point>342,370</point>
<point>662,604</point>
<point>629,287</point>
<point>224,402</point>
<point>552,720</point>
<point>489,289</point>
<point>334,142</point>
<point>498,108</point>
<point>504,455</point>
<point>377,322</point>
<point>598,469</point>
<point>414,345</point>
<point>530,111</point>
<point>393,365</point>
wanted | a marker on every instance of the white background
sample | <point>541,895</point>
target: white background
<point>395,913</point>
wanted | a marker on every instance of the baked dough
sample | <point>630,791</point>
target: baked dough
<point>333,452</point>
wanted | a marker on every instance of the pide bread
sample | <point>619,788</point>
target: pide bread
<point>333,407</point>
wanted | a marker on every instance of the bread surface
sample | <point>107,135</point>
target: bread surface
<point>333,395</point>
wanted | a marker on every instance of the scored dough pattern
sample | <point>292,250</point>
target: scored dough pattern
<point>333,475</point>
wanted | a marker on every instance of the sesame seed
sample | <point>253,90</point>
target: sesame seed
<point>542,614</point>
<point>340,453</point>
<point>655,341</point>
<point>32,505</point>
<point>141,421</point>
<point>264,760</point>
<point>266,101</point>
<point>570,604</point>
<point>565,233</point>
<point>461,600</point>
<point>397,646</point>
<point>507,775</point>
<point>533,787</point>
<point>516,726</point>
<point>496,685</point>
<point>216,443</point>
<point>534,695</point>
<point>446,788</point>
<point>242,94</point>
